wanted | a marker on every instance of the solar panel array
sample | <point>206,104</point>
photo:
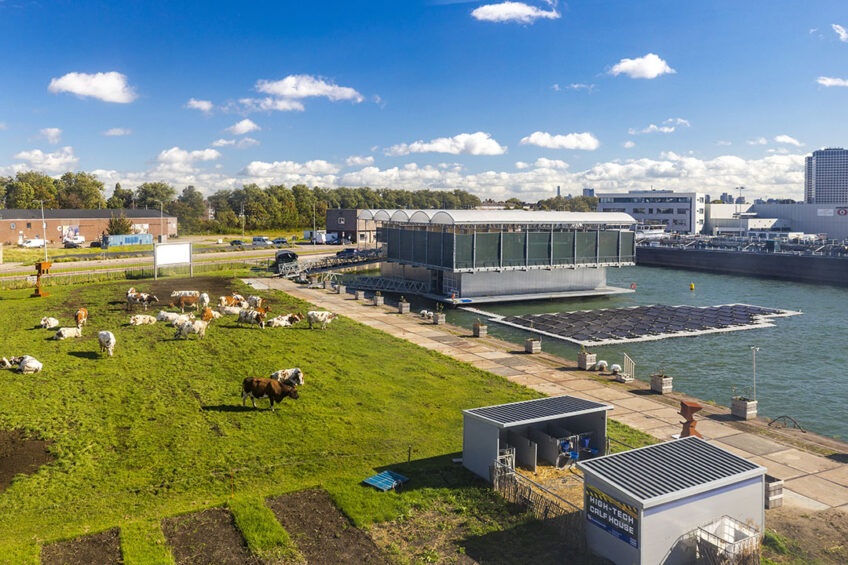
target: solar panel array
<point>641,321</point>
<point>668,467</point>
<point>542,408</point>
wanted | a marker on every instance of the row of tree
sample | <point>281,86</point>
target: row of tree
<point>272,207</point>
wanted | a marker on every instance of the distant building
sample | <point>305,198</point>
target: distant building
<point>588,192</point>
<point>726,198</point>
<point>681,212</point>
<point>558,192</point>
<point>826,177</point>
<point>344,222</point>
<point>18,224</point>
<point>778,219</point>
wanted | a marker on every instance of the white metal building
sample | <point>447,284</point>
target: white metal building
<point>681,212</point>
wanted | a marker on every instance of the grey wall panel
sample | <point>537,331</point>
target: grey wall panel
<point>480,444</point>
<point>548,446</point>
<point>525,450</point>
<point>531,281</point>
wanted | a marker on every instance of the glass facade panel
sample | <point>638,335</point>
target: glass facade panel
<point>539,248</point>
<point>405,251</point>
<point>513,249</point>
<point>464,251</point>
<point>628,246</point>
<point>434,248</point>
<point>419,246</point>
<point>609,246</point>
<point>447,250</point>
<point>488,250</point>
<point>563,248</point>
<point>586,246</point>
<point>393,242</point>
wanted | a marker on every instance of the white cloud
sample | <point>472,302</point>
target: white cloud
<point>243,127</point>
<point>305,86</point>
<point>109,87</point>
<point>840,31</point>
<point>585,141</point>
<point>543,163</point>
<point>177,160</point>
<point>204,106</point>
<point>223,142</point>
<point>668,126</point>
<point>316,172</point>
<point>479,143</point>
<point>581,86</point>
<point>649,66</point>
<point>518,12</point>
<point>117,132</point>
<point>269,104</point>
<point>3,126</point>
<point>357,161</point>
<point>723,142</point>
<point>629,144</point>
<point>788,140</point>
<point>52,135</point>
<point>832,81</point>
<point>556,87</point>
<point>757,141</point>
<point>60,160</point>
<point>246,142</point>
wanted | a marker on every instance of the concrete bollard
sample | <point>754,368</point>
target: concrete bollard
<point>533,345</point>
<point>360,294</point>
<point>328,284</point>
<point>480,330</point>
<point>661,384</point>
<point>403,307</point>
<point>379,300</point>
<point>439,318</point>
<point>341,289</point>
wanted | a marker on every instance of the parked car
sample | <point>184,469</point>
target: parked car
<point>33,242</point>
<point>236,242</point>
<point>75,239</point>
<point>280,241</point>
<point>72,245</point>
<point>260,240</point>
<point>94,244</point>
<point>348,253</point>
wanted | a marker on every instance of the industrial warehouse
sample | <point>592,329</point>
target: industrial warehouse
<point>17,225</point>
<point>477,256</point>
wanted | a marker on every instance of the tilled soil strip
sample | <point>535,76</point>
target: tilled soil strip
<point>206,538</point>
<point>103,548</point>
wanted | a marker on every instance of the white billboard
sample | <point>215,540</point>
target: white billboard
<point>172,254</point>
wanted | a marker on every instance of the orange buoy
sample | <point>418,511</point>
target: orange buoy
<point>633,286</point>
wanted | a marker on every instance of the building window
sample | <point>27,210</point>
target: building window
<point>29,225</point>
<point>665,210</point>
<point>341,221</point>
<point>639,211</point>
<point>683,211</point>
<point>12,225</point>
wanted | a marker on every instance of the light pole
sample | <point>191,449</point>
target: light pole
<point>314,237</point>
<point>242,220</point>
<point>754,354</point>
<point>43,229</point>
<point>161,218</point>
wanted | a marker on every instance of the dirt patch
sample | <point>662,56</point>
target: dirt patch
<point>20,455</point>
<point>162,288</point>
<point>566,483</point>
<point>206,538</point>
<point>103,548</point>
<point>322,533</point>
<point>815,537</point>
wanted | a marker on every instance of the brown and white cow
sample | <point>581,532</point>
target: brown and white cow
<point>192,327</point>
<point>182,301</point>
<point>320,317</point>
<point>81,317</point>
<point>260,387</point>
<point>251,317</point>
<point>285,321</point>
<point>142,298</point>
<point>291,377</point>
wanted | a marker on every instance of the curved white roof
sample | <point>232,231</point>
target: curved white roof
<point>400,215</point>
<point>472,217</point>
<point>378,215</point>
<point>422,216</point>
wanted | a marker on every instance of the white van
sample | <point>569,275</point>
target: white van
<point>262,240</point>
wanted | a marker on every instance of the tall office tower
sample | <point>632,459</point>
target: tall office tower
<point>826,177</point>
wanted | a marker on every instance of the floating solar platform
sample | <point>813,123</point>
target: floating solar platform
<point>609,326</point>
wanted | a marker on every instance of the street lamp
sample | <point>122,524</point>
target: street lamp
<point>754,354</point>
<point>161,218</point>
<point>43,229</point>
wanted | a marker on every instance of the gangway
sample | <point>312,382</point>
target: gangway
<point>388,284</point>
<point>305,267</point>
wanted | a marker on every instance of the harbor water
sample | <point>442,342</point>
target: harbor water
<point>802,363</point>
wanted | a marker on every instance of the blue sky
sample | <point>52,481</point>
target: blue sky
<point>499,98</point>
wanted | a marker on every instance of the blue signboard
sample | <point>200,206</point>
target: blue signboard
<point>617,518</point>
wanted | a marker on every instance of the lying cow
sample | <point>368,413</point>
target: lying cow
<point>27,364</point>
<point>107,342</point>
<point>49,323</point>
<point>142,320</point>
<point>178,293</point>
<point>66,333</point>
<point>259,387</point>
<point>320,317</point>
<point>182,301</point>
<point>182,319</point>
<point>208,314</point>
<point>291,377</point>
<point>142,298</point>
<point>192,327</point>
<point>229,310</point>
<point>81,317</point>
<point>255,301</point>
<point>251,317</point>
<point>285,321</point>
<point>164,316</point>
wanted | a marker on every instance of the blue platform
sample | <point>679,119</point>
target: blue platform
<point>385,481</point>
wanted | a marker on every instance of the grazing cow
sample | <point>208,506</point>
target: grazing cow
<point>182,319</point>
<point>192,327</point>
<point>142,319</point>
<point>291,377</point>
<point>107,342</point>
<point>203,302</point>
<point>27,364</point>
<point>131,290</point>
<point>285,321</point>
<point>182,301</point>
<point>142,298</point>
<point>164,316</point>
<point>255,301</point>
<point>229,310</point>
<point>178,293</point>
<point>259,387</point>
<point>208,314</point>
<point>251,317</point>
<point>320,317</point>
<point>81,317</point>
<point>65,333</point>
<point>49,323</point>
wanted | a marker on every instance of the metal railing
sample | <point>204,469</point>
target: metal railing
<point>387,284</point>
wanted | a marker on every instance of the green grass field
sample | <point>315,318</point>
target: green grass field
<point>159,430</point>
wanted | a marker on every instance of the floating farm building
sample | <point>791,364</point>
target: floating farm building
<point>476,256</point>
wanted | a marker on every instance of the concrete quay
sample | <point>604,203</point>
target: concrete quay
<point>814,468</point>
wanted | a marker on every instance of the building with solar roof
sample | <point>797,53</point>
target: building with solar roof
<point>672,502</point>
<point>545,428</point>
<point>475,256</point>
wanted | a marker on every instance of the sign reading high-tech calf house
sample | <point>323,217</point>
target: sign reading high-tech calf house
<point>613,515</point>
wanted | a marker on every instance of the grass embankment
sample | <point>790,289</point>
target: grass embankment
<point>159,430</point>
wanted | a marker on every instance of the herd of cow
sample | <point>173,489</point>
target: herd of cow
<point>251,310</point>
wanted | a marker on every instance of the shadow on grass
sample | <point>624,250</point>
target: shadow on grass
<point>537,541</point>
<point>433,472</point>
<point>84,354</point>
<point>231,408</point>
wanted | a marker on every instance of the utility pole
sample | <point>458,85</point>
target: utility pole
<point>313,224</point>
<point>754,353</point>
<point>242,220</point>
<point>43,229</point>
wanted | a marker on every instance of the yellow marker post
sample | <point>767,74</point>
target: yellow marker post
<point>691,286</point>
